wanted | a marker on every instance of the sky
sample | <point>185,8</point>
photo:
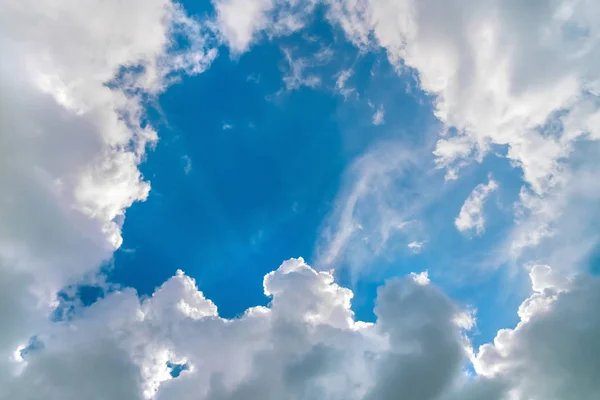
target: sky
<point>282,199</point>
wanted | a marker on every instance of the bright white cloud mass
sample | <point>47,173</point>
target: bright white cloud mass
<point>507,79</point>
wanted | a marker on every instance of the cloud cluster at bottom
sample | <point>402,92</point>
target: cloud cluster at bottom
<point>307,345</point>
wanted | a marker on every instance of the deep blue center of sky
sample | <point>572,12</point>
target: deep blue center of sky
<point>256,192</point>
<point>245,173</point>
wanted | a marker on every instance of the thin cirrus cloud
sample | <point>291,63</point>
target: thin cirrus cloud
<point>296,76</point>
<point>379,116</point>
<point>502,75</point>
<point>371,207</point>
<point>341,83</point>
<point>416,247</point>
<point>470,217</point>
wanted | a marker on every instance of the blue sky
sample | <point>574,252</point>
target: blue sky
<point>246,173</point>
<point>282,199</point>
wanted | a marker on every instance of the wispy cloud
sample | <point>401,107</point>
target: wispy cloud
<point>341,81</point>
<point>323,56</point>
<point>187,164</point>
<point>471,216</point>
<point>379,116</point>
<point>416,247</point>
<point>296,77</point>
<point>253,78</point>
<point>380,196</point>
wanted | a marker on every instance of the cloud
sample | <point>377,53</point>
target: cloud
<point>482,63</point>
<point>421,278</point>
<point>341,83</point>
<point>370,207</point>
<point>471,216</point>
<point>72,81</point>
<point>378,117</point>
<point>72,134</point>
<point>323,56</point>
<point>553,352</point>
<point>416,247</point>
<point>560,227</point>
<point>187,164</point>
<point>306,343</point>
<point>295,77</point>
<point>240,23</point>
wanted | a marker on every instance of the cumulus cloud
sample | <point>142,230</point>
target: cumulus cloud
<point>483,63</point>
<point>305,344</point>
<point>72,133</point>
<point>471,216</point>
<point>553,352</point>
<point>421,278</point>
<point>560,228</point>
<point>308,344</point>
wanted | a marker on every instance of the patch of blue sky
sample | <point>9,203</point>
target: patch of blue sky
<point>241,179</point>
<point>246,171</point>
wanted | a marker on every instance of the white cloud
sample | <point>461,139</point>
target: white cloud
<point>415,246</point>
<point>187,164</point>
<point>422,278</point>
<point>306,344</point>
<point>553,352</point>
<point>369,207</point>
<point>71,134</point>
<point>295,77</point>
<point>70,150</point>
<point>254,78</point>
<point>378,117</point>
<point>471,216</point>
<point>483,63</point>
<point>323,56</point>
<point>241,22</point>
<point>560,227</point>
<point>341,83</point>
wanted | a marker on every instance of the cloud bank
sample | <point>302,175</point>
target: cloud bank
<point>74,78</point>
